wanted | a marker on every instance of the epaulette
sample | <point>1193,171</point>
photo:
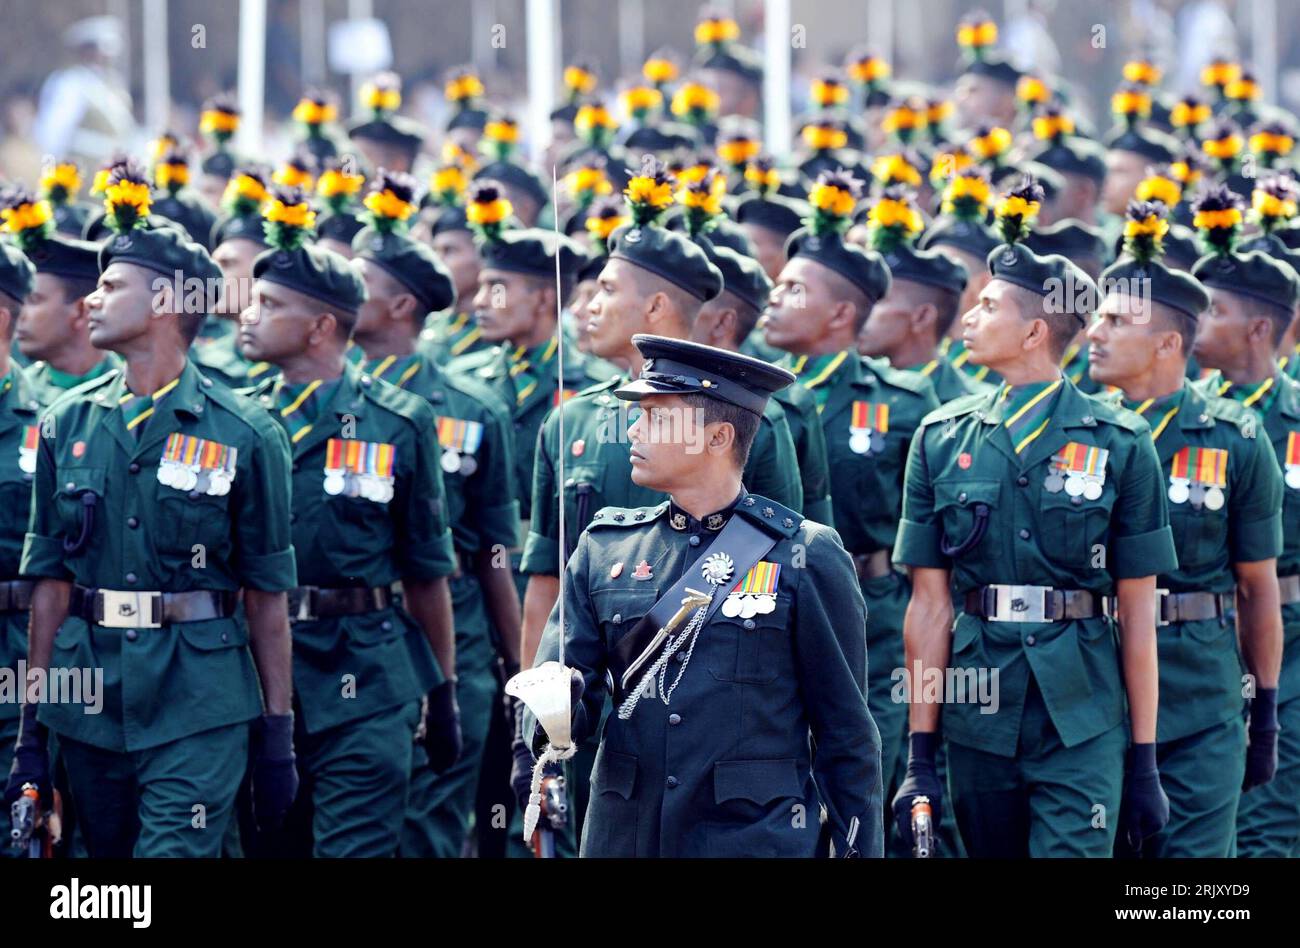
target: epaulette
<point>955,408</point>
<point>775,518</point>
<point>1116,414</point>
<point>391,398</point>
<point>606,385</point>
<point>1232,412</point>
<point>627,516</point>
<point>474,361</point>
<point>473,388</point>
<point>908,381</point>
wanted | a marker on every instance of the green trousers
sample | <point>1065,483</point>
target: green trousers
<point>886,599</point>
<point>1268,817</point>
<point>1201,774</point>
<point>441,806</point>
<point>1048,801</point>
<point>174,800</point>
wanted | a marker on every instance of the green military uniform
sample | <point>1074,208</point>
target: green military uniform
<point>450,335</point>
<point>48,383</point>
<point>1268,820</point>
<point>178,695</point>
<point>800,407</point>
<point>949,383</point>
<point>717,765</point>
<point>1290,363</point>
<point>359,675</point>
<point>216,351</point>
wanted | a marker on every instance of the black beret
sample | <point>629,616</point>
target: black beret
<point>1074,155</point>
<point>411,263</point>
<point>1155,146</point>
<point>446,219</point>
<point>865,269</point>
<point>468,118</point>
<point>531,251</point>
<point>669,255</point>
<point>393,130</point>
<point>1289,235</point>
<point>993,66</point>
<point>220,164</point>
<point>63,256</point>
<point>70,218</point>
<point>678,367</point>
<point>515,176</point>
<point>190,212</point>
<point>974,237</point>
<point>321,147</point>
<point>565,113</point>
<point>97,229</point>
<point>16,272</point>
<point>239,226</point>
<point>341,226</point>
<point>927,267</point>
<point>733,58</point>
<point>742,276</point>
<point>319,273</point>
<point>164,250</point>
<point>1017,264</point>
<point>1181,247</point>
<point>782,215</point>
<point>1270,244</point>
<point>725,233</point>
<point>1049,179</point>
<point>1068,238</point>
<point>1254,274</point>
<point>1173,288</point>
<point>665,136</point>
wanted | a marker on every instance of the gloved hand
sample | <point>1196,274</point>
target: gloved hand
<point>922,780</point>
<point>577,685</point>
<point>1145,808</point>
<point>275,771</point>
<point>442,738</point>
<point>1261,752</point>
<point>521,764</point>
<point>31,760</point>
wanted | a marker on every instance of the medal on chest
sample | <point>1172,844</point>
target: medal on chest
<point>1198,476</point>
<point>1079,470</point>
<point>359,469</point>
<point>868,426</point>
<point>1292,464</point>
<point>755,594</point>
<point>27,449</point>
<point>197,464</point>
<point>460,440</point>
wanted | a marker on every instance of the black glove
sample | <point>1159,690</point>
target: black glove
<point>1145,808</point>
<point>442,738</point>
<point>922,780</point>
<point>1261,752</point>
<point>31,760</point>
<point>275,772</point>
<point>521,764</point>
<point>577,685</point>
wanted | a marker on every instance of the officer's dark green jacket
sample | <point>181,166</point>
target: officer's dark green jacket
<point>963,456</point>
<point>530,395</point>
<point>474,428</point>
<point>800,409</point>
<point>356,541</point>
<point>48,383</point>
<point>449,335</point>
<point>160,684</point>
<point>1200,667</point>
<point>949,383</point>
<point>598,469</point>
<point>725,768</point>
<point>867,488</point>
<point>18,425</point>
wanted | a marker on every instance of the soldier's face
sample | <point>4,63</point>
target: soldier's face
<point>505,305</point>
<point>456,251</point>
<point>769,248</point>
<point>279,324</point>
<point>1223,332</point>
<point>995,329</point>
<point>978,277</point>
<point>122,306</point>
<point>668,441</point>
<point>583,294</point>
<point>889,325</point>
<point>798,309</point>
<point>617,311</point>
<point>984,101</point>
<point>1121,343</point>
<point>235,258</point>
<point>1124,171</point>
<point>49,318</point>
<point>382,292</point>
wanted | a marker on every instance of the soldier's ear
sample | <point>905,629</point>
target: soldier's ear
<point>924,317</point>
<point>723,438</point>
<point>844,313</point>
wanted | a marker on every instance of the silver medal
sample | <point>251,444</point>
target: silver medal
<point>1074,485</point>
<point>731,607</point>
<point>1092,489</point>
<point>220,483</point>
<point>1214,498</point>
<point>189,477</point>
<point>334,483</point>
<point>450,461</point>
<point>860,442</point>
<point>27,462</point>
<point>1293,477</point>
<point>166,473</point>
<point>1178,490</point>
<point>748,608</point>
<point>766,604</point>
<point>1196,494</point>
<point>468,465</point>
<point>1054,483</point>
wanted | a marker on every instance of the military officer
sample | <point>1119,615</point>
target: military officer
<point>906,325</point>
<point>404,283</point>
<point>158,497</point>
<point>51,326</point>
<point>707,753</point>
<point>1250,309</point>
<point>1031,531</point>
<point>868,412</point>
<point>1225,506</point>
<point>368,511</point>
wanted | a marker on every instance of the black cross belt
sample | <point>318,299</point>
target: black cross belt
<point>1007,603</point>
<point>141,609</point>
<point>308,603</point>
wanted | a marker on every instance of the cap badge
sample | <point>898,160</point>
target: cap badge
<point>1008,258</point>
<point>122,242</point>
<point>633,236</point>
<point>963,460</point>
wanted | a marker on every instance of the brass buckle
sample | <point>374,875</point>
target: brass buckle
<point>119,609</point>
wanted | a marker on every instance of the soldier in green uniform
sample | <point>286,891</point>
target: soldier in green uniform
<point>868,412</point>
<point>767,217</point>
<point>51,327</point>
<point>905,326</point>
<point>1032,506</point>
<point>337,188</point>
<point>404,283</point>
<point>159,497</point>
<point>384,138</point>
<point>708,753</point>
<point>454,333</point>
<point>177,202</point>
<point>1082,246</point>
<point>1225,507</point>
<point>368,511</point>
<point>1250,310</point>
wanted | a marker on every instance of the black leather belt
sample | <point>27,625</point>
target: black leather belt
<point>139,609</point>
<point>1289,587</point>
<point>1190,606</point>
<point>872,565</point>
<point>308,603</point>
<point>1003,603</point>
<point>16,595</point>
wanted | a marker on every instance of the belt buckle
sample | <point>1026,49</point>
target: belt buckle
<point>1162,596</point>
<point>1022,603</point>
<point>123,609</point>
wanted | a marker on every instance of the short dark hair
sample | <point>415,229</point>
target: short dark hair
<point>1280,316</point>
<point>75,288</point>
<point>945,301</point>
<point>1062,326</point>
<point>649,284</point>
<point>746,315</point>
<point>1175,320</point>
<point>846,291</point>
<point>712,411</point>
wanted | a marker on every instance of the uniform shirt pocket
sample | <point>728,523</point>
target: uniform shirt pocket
<point>749,650</point>
<point>1074,527</point>
<point>955,505</point>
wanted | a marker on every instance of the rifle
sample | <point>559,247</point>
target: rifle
<point>32,830</point>
<point>922,828</point>
<point>555,814</point>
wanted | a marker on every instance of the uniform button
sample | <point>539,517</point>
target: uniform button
<point>133,467</point>
<point>1030,640</point>
<point>132,635</point>
<point>293,518</point>
<point>386,625</point>
<point>748,623</point>
<point>132,578</point>
<point>1022,481</point>
<point>225,636</point>
<point>295,468</point>
<point>132,522</point>
<point>694,541</point>
<point>679,657</point>
<point>961,498</point>
<point>1076,501</point>
<point>672,783</point>
<point>618,618</point>
<point>674,719</point>
<point>1024,534</point>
